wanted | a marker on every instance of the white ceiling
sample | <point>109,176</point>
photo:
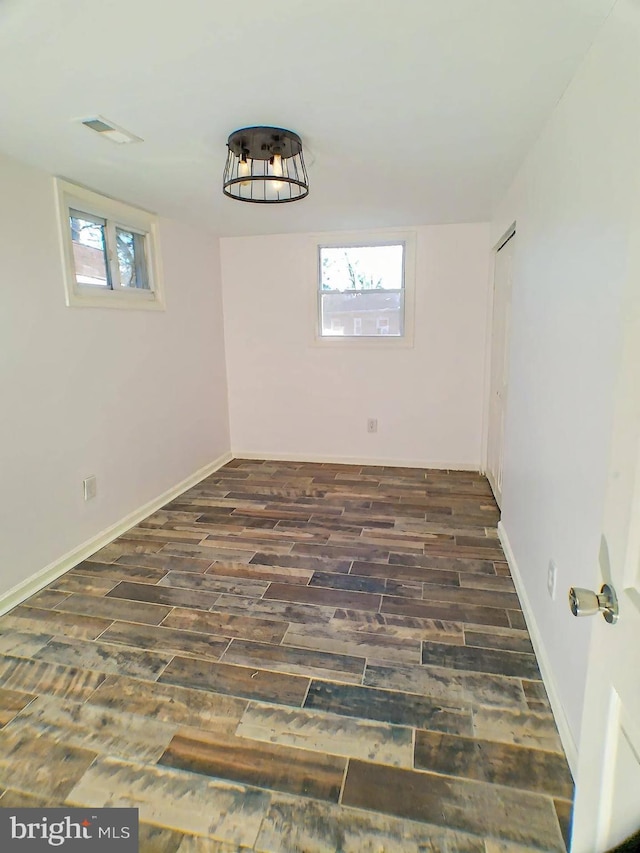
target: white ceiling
<point>411,111</point>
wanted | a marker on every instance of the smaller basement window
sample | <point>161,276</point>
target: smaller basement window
<point>365,288</point>
<point>109,250</point>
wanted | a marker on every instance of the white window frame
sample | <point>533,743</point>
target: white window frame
<point>361,239</point>
<point>116,214</point>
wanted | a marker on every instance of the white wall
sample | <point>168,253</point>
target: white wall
<point>571,201</point>
<point>292,398</point>
<point>137,398</point>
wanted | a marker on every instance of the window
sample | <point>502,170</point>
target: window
<point>109,251</point>
<point>365,288</point>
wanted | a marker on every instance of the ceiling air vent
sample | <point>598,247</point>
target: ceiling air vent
<point>108,130</point>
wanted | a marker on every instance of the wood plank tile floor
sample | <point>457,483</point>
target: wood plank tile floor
<point>292,657</point>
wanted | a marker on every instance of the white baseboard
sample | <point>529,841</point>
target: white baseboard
<point>54,570</point>
<point>566,736</point>
<point>355,460</point>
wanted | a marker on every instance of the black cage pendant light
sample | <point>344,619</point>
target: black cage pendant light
<point>265,165</point>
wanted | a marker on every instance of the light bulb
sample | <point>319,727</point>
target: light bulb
<point>244,169</point>
<point>277,165</point>
<point>276,168</point>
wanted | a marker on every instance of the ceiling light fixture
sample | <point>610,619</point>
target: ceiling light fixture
<point>265,166</point>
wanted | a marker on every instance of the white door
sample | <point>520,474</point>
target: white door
<point>607,803</point>
<point>502,278</point>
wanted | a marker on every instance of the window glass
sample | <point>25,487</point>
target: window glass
<point>131,259</point>
<point>362,313</point>
<point>89,249</point>
<point>361,267</point>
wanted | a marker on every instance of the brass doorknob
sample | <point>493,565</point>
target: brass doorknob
<point>585,602</point>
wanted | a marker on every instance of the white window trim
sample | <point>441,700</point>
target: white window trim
<point>367,238</point>
<point>118,215</point>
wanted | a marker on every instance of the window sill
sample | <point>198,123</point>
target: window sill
<point>129,301</point>
<point>378,342</point>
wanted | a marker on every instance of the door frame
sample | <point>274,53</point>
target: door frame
<point>486,406</point>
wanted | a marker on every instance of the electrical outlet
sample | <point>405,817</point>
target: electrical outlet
<point>90,486</point>
<point>552,576</point>
<point>372,425</point>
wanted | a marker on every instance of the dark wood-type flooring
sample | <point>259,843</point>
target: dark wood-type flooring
<point>292,657</point>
